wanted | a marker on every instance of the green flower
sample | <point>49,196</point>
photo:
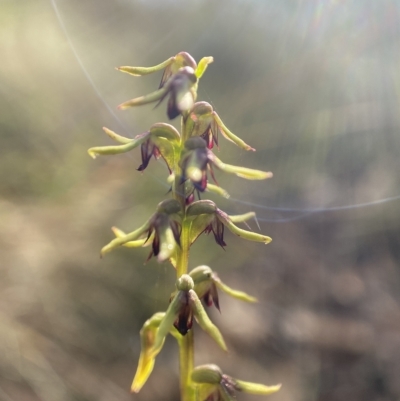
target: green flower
<point>206,217</point>
<point>206,284</point>
<point>161,140</point>
<point>185,305</point>
<point>213,385</point>
<point>163,228</point>
<point>203,121</point>
<point>197,160</point>
<point>179,82</point>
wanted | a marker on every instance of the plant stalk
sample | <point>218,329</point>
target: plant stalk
<point>186,345</point>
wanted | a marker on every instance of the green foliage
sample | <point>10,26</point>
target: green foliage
<point>180,220</point>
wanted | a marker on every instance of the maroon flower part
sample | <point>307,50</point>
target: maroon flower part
<point>211,296</point>
<point>149,149</point>
<point>184,320</point>
<point>217,228</point>
<point>196,162</point>
<point>207,283</point>
<point>182,59</point>
<point>160,223</point>
<point>179,88</point>
<point>203,121</point>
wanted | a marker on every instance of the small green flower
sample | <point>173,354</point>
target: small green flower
<point>185,305</point>
<point>213,385</point>
<point>203,121</point>
<point>181,88</point>
<point>163,227</point>
<point>206,217</point>
<point>206,284</point>
<point>197,160</point>
<point>161,140</point>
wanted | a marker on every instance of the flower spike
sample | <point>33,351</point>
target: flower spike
<point>214,385</point>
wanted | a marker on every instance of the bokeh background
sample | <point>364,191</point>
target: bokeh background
<point>313,85</point>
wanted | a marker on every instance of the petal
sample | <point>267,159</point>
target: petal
<point>229,135</point>
<point>204,321</point>
<point>202,66</point>
<point>242,172</point>
<point>255,388</point>
<point>168,244</point>
<point>140,71</point>
<point>134,235</point>
<point>168,320</point>
<point>217,190</point>
<point>249,235</point>
<point>146,359</point>
<point>198,225</point>
<point>116,137</point>
<point>133,244</point>
<point>113,150</point>
<point>233,293</point>
<point>241,218</point>
<point>150,98</point>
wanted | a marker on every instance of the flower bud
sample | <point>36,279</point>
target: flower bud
<point>209,373</point>
<point>184,283</point>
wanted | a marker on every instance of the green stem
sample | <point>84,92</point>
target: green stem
<point>186,362</point>
<point>186,345</point>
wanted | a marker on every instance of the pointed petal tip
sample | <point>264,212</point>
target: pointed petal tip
<point>267,240</point>
<point>92,154</point>
<point>135,389</point>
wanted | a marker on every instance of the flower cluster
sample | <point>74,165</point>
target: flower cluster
<point>178,221</point>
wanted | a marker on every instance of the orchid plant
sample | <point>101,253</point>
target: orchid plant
<point>179,220</point>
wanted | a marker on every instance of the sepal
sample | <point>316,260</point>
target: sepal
<point>148,354</point>
<point>243,172</point>
<point>127,144</point>
<point>202,66</point>
<point>170,66</point>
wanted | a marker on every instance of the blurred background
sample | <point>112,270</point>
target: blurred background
<point>313,85</point>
